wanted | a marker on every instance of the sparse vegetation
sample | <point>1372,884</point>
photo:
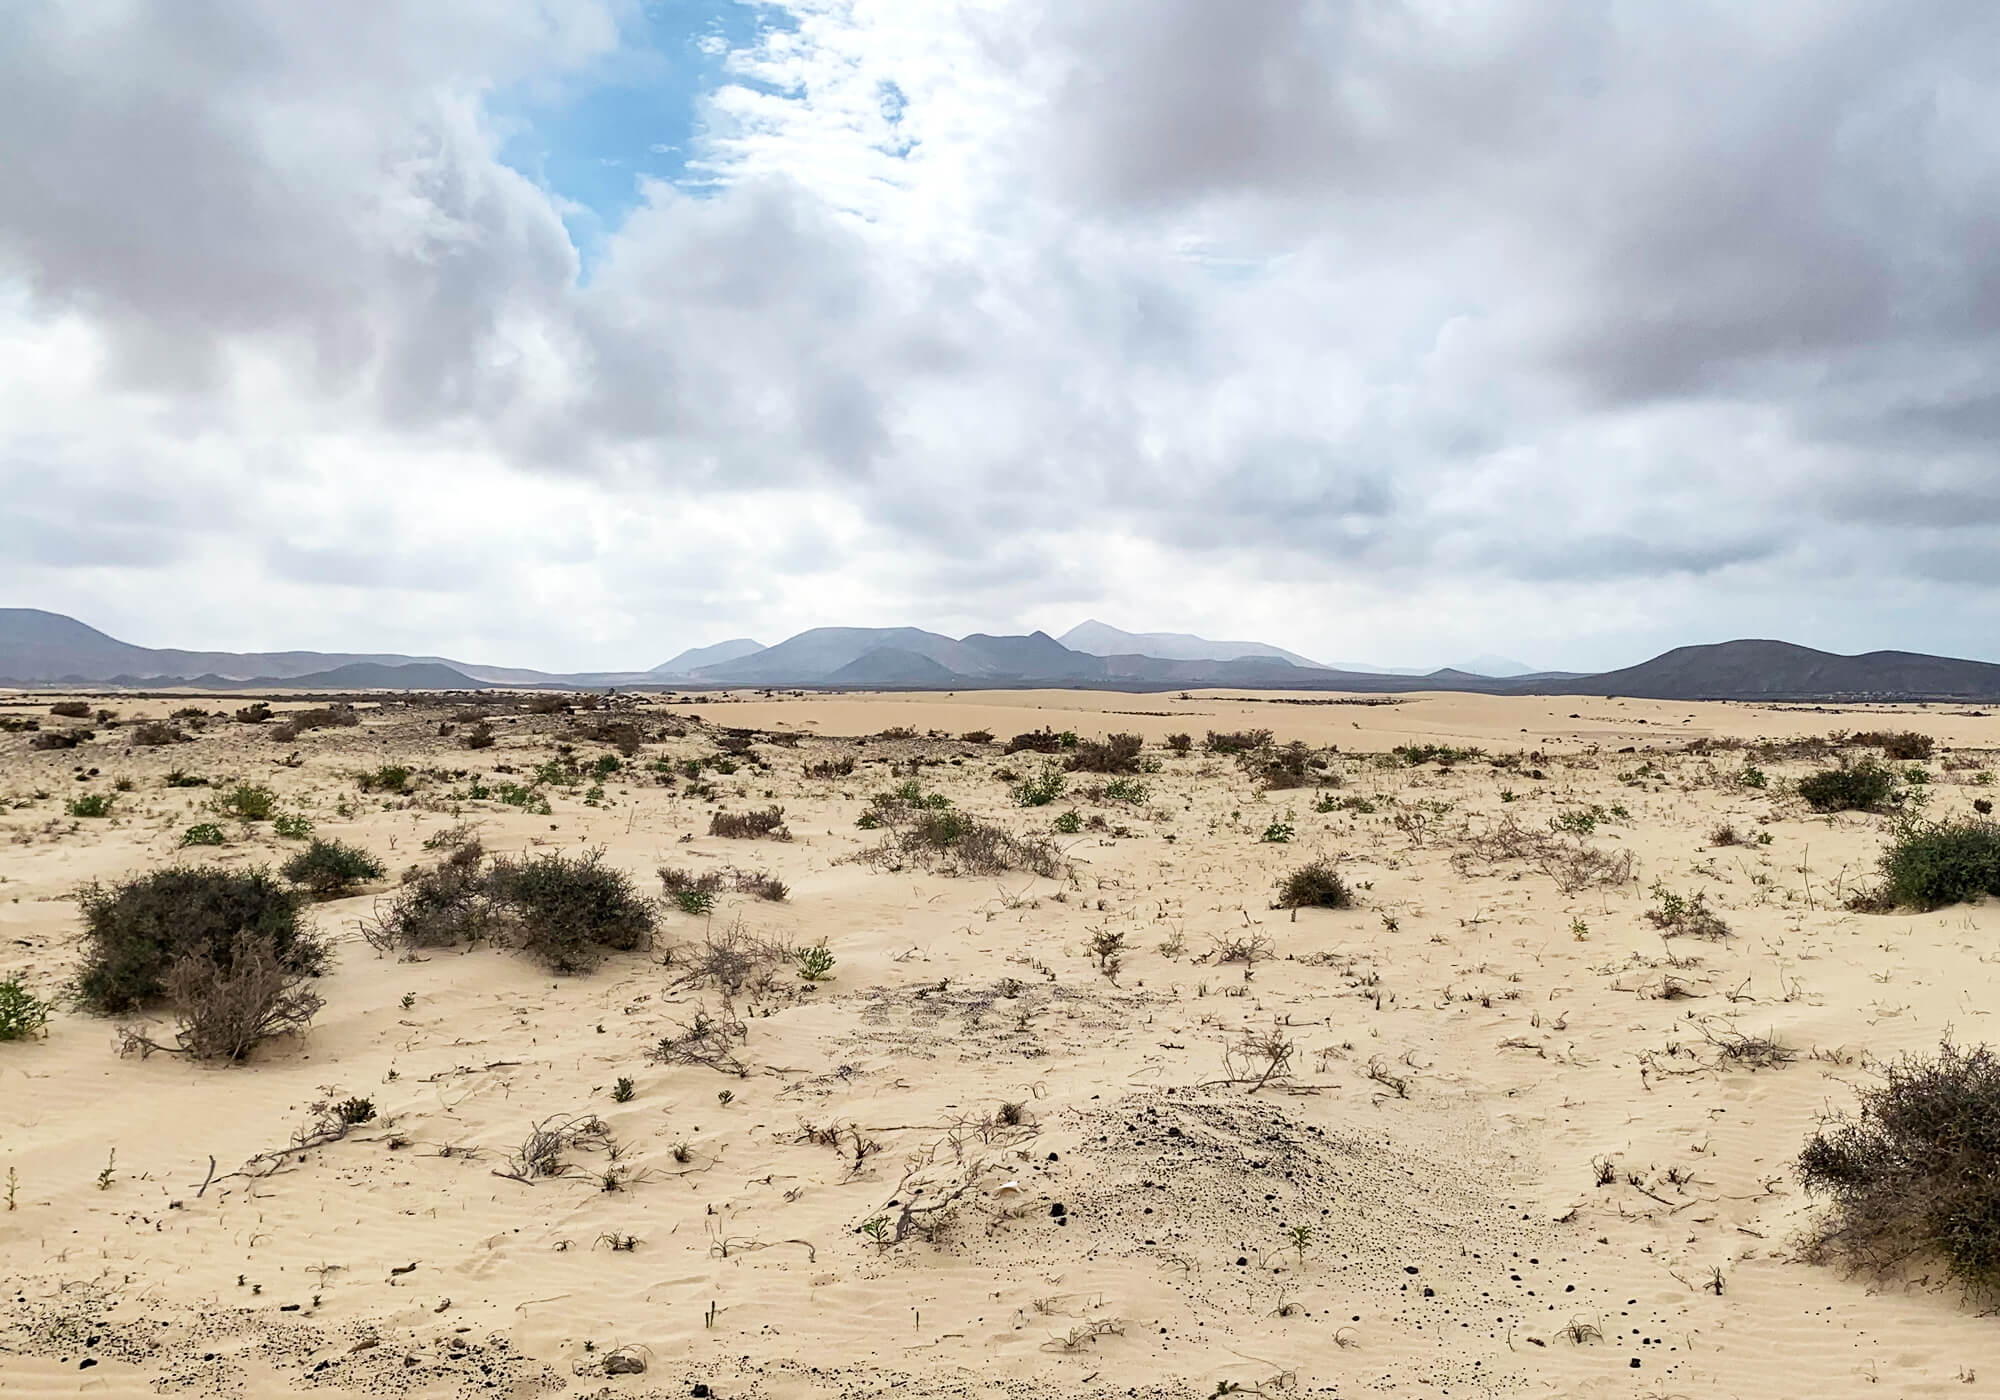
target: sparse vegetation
<point>568,911</point>
<point>768,823</point>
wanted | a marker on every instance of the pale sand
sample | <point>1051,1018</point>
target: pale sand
<point>1456,1232</point>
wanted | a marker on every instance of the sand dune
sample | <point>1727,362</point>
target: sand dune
<point>1407,1204</point>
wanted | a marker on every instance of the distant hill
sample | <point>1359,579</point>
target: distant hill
<point>694,658</point>
<point>1767,670</point>
<point>44,648</point>
<point>39,647</point>
<point>1102,639</point>
<point>1499,667</point>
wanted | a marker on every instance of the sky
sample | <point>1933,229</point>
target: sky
<point>570,333</point>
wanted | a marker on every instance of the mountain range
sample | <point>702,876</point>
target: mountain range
<point>40,648</point>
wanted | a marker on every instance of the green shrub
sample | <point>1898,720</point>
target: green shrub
<point>180,778</point>
<point>1126,790</point>
<point>329,869</point>
<point>390,777</point>
<point>249,802</point>
<point>22,1013</point>
<point>91,804</point>
<point>816,962</point>
<point>1314,885</point>
<point>1069,823</point>
<point>1862,787</point>
<point>1915,1171</point>
<point>569,910</point>
<point>202,834</point>
<point>1931,864</point>
<point>1279,833</point>
<point>291,826</point>
<point>135,932</point>
<point>1903,745</point>
<point>1042,789</point>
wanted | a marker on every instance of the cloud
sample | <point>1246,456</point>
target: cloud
<point>1401,330</point>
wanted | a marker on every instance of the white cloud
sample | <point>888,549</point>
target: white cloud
<point>1392,331</point>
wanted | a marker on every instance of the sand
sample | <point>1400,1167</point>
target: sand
<point>1412,1209</point>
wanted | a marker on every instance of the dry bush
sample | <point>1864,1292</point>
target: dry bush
<point>324,717</point>
<point>770,822</point>
<point>479,736</point>
<point>1035,741</point>
<point>831,767</point>
<point>70,709</point>
<point>229,1007</point>
<point>1180,743</point>
<point>956,844</point>
<point>1294,765</point>
<point>155,733</point>
<point>543,1154</point>
<point>1906,746</point>
<point>760,884</point>
<point>1238,741</point>
<point>1916,1170</point>
<point>1574,864</point>
<point>734,961</point>
<point>623,735</point>
<point>976,736</point>
<point>137,932</point>
<point>1678,916</point>
<point>59,738</point>
<point>437,907</point>
<point>705,1040</point>
<point>1117,754</point>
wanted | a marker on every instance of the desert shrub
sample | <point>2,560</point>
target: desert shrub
<point>1862,787</point>
<point>1035,741</point>
<point>438,906</point>
<point>1117,754</point>
<point>1315,885</point>
<point>977,736</point>
<point>770,822</point>
<point>479,736</point>
<point>390,777</point>
<point>1126,790</point>
<point>1069,823</point>
<point>324,717</point>
<point>229,1005</point>
<point>181,778</point>
<point>202,834</point>
<point>548,705</point>
<point>58,738</point>
<point>136,932</point>
<point>1180,743</point>
<point>831,767</point>
<point>90,804</point>
<point>70,709</point>
<point>291,826</point>
<point>1292,766</point>
<point>249,802</point>
<point>622,735</point>
<point>1237,741</point>
<point>1931,864</point>
<point>569,910</point>
<point>329,869</point>
<point>22,1013</point>
<point>762,885</point>
<point>1679,916</point>
<point>1915,1170</point>
<point>284,733</point>
<point>16,724</point>
<point>254,713</point>
<point>1041,789</point>
<point>155,734</point>
<point>1903,745</point>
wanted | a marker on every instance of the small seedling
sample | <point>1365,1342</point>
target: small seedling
<point>1301,1239</point>
<point>1278,833</point>
<point>409,1000</point>
<point>816,962</point>
<point>725,1097</point>
<point>622,1091</point>
<point>104,1177</point>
